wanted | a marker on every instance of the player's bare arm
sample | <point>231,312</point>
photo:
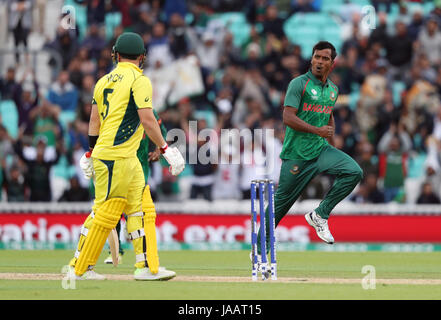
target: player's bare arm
<point>291,119</point>
<point>94,121</point>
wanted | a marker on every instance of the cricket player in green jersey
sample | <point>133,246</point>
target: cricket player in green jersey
<point>307,149</point>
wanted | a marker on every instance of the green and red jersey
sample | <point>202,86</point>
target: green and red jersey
<point>314,101</point>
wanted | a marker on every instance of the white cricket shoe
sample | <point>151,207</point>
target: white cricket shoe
<point>88,275</point>
<point>145,274</point>
<point>109,259</point>
<point>320,225</point>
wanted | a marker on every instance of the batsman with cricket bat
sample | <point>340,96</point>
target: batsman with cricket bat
<point>307,148</point>
<point>121,112</point>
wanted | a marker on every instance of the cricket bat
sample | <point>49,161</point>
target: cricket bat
<point>114,246</point>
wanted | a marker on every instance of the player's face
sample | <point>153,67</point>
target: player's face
<point>321,62</point>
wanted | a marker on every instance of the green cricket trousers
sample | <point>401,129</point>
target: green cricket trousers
<point>296,174</point>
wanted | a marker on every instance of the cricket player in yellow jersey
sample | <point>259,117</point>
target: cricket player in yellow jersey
<point>121,111</point>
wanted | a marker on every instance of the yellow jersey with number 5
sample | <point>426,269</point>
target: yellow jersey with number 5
<point>118,95</point>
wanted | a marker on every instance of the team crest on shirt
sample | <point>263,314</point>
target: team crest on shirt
<point>332,96</point>
<point>295,169</point>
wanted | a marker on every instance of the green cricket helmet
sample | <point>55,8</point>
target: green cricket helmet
<point>129,43</point>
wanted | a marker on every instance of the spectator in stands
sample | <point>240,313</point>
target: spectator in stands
<point>39,161</point>
<point>399,51</point>
<point>66,45</point>
<point>94,42</point>
<point>176,7</point>
<point>302,6</point>
<point>383,4</point>
<point>429,41</point>
<point>96,12</point>
<point>204,167</point>
<point>45,123</point>
<point>372,96</point>
<point>366,159</point>
<point>20,22</point>
<point>230,53</point>
<point>75,73</point>
<point>207,49</point>
<point>159,45</point>
<point>427,196</point>
<point>63,93</point>
<point>403,13</point>
<point>368,191</point>
<point>379,34</point>
<point>87,63</point>
<point>75,193</point>
<point>226,181</point>
<point>15,185</point>
<point>272,23</point>
<point>27,102</point>
<point>393,148</point>
<point>349,137</point>
<point>144,20</point>
<point>88,84</point>
<point>6,147</point>
<point>10,89</point>
<point>416,25</point>
<point>178,40</point>
<point>255,11</point>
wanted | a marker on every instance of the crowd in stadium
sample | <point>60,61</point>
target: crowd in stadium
<point>388,115</point>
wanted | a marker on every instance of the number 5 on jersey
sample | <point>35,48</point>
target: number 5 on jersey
<point>106,102</point>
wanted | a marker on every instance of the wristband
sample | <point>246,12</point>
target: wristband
<point>92,142</point>
<point>162,149</point>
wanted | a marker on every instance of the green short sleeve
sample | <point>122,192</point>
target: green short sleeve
<point>294,92</point>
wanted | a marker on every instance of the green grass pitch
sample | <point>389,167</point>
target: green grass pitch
<point>320,275</point>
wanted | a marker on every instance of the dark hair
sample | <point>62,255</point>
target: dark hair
<point>321,45</point>
<point>129,56</point>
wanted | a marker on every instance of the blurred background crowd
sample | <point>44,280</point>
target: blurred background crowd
<point>225,64</point>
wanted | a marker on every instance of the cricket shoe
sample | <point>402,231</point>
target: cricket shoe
<point>109,259</point>
<point>145,274</point>
<point>88,275</point>
<point>320,225</point>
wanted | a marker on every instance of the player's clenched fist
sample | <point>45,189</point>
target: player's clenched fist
<point>174,159</point>
<point>86,165</point>
<point>325,131</point>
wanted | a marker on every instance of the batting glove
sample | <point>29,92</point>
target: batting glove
<point>86,165</point>
<point>174,159</point>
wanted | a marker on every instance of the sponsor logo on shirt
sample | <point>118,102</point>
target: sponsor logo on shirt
<point>317,108</point>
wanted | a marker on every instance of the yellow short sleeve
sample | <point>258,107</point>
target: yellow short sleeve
<point>142,92</point>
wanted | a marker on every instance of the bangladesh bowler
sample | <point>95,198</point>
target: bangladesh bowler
<point>307,148</point>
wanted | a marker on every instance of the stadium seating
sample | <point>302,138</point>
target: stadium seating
<point>236,23</point>
<point>9,115</point>
<point>112,20</point>
<point>306,29</point>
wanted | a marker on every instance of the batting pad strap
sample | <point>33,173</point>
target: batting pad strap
<point>137,214</point>
<point>84,231</point>
<point>136,234</point>
<point>77,254</point>
<point>141,257</point>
